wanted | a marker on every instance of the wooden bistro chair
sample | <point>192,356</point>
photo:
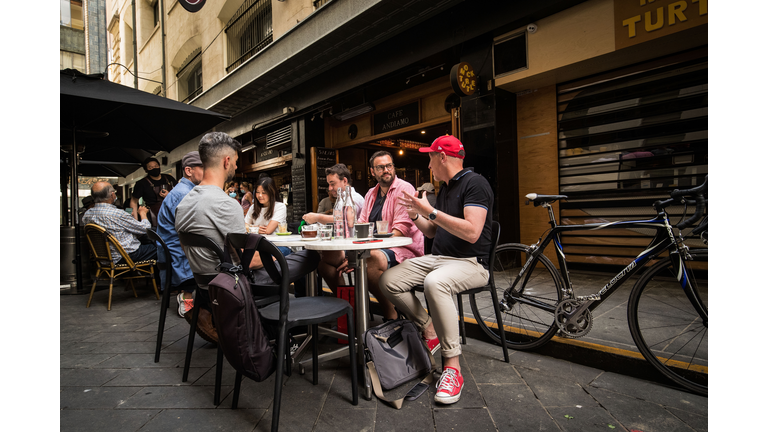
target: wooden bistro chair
<point>293,312</point>
<point>490,286</point>
<point>100,240</point>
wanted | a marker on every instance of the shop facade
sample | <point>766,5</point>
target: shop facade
<point>602,100</point>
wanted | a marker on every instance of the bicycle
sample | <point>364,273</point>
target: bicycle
<point>667,308</point>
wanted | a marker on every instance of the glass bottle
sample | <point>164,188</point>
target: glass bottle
<point>350,214</point>
<point>338,215</point>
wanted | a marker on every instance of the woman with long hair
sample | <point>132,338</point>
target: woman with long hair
<point>247,201</point>
<point>266,212</point>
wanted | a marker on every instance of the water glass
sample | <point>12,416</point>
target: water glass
<point>325,232</point>
<point>282,227</point>
<point>382,227</point>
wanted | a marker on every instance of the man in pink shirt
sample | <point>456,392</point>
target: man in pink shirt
<point>380,205</point>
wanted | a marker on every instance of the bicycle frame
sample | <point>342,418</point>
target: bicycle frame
<point>664,239</point>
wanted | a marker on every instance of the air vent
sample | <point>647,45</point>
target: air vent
<point>510,54</point>
<point>279,137</point>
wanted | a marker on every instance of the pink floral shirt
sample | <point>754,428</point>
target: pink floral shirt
<point>397,216</point>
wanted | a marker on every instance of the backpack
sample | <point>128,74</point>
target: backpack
<point>396,354</point>
<point>241,335</point>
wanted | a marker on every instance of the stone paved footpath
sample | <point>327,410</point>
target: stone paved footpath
<point>109,382</point>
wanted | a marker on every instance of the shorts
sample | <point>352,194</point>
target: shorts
<point>391,259</point>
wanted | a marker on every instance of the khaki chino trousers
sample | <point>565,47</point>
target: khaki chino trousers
<point>443,277</point>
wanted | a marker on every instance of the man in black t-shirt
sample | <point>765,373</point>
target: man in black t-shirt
<point>153,188</point>
<point>460,223</point>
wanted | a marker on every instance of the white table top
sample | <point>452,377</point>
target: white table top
<point>293,240</point>
<point>347,244</point>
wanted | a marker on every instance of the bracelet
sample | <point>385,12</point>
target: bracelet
<point>414,219</point>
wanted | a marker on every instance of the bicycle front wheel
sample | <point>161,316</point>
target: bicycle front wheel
<point>527,301</point>
<point>670,332</point>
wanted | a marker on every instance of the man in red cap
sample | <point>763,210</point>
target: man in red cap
<point>460,224</point>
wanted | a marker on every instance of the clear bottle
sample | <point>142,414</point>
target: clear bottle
<point>338,215</point>
<point>350,214</point>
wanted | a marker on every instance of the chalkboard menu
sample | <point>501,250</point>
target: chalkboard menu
<point>323,158</point>
<point>299,189</point>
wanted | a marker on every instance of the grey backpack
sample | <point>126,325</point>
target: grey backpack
<point>395,354</point>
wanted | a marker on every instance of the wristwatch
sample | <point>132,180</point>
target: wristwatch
<point>433,215</point>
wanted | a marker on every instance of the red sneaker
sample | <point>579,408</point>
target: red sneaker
<point>432,345</point>
<point>449,387</point>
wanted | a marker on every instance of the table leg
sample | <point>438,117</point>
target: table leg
<point>361,302</point>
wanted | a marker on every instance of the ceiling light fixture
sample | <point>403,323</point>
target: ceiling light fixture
<point>355,111</point>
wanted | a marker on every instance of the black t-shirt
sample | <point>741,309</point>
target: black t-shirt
<point>149,189</point>
<point>378,204</point>
<point>465,189</point>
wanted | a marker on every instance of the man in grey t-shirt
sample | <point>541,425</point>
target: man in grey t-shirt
<point>207,210</point>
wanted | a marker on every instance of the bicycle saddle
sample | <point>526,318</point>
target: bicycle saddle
<point>539,200</point>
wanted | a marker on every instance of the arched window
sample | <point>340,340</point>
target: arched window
<point>190,76</point>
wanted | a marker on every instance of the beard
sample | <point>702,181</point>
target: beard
<point>385,183</point>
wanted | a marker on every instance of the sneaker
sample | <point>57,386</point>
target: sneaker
<point>293,346</point>
<point>449,387</point>
<point>432,345</point>
<point>185,305</point>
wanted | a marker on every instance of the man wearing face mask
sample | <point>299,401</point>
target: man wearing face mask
<point>153,189</point>
<point>120,224</point>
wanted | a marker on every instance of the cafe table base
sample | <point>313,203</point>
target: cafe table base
<point>363,252</point>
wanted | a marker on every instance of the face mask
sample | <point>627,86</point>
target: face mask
<point>242,191</point>
<point>233,195</point>
<point>154,172</point>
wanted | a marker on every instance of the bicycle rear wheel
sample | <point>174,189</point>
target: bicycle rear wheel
<point>527,309</point>
<point>668,330</point>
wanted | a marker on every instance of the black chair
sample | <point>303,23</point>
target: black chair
<point>289,313</point>
<point>196,240</point>
<point>490,286</point>
<point>164,304</point>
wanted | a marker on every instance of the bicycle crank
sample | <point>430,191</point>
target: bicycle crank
<point>573,318</point>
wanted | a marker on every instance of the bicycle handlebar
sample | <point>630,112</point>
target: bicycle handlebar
<point>701,202</point>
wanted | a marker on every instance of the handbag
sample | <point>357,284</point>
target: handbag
<point>395,354</point>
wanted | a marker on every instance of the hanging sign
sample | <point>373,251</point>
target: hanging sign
<point>192,5</point>
<point>463,79</point>
<point>400,117</point>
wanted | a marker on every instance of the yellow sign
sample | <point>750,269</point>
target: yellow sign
<point>638,21</point>
<point>463,79</point>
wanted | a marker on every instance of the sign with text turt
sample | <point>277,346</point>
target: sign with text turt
<point>192,5</point>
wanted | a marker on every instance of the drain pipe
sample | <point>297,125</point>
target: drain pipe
<point>135,49</point>
<point>162,32</point>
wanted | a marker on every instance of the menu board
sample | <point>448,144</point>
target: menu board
<point>299,189</point>
<point>322,158</point>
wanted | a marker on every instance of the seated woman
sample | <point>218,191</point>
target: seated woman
<point>265,213</point>
<point>247,200</point>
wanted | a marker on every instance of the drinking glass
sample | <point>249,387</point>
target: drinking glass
<point>382,227</point>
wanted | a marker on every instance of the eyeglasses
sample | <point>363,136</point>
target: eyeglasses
<point>382,168</point>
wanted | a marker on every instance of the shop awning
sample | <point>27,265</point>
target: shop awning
<point>122,125</point>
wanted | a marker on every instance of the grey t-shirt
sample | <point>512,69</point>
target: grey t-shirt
<point>207,210</point>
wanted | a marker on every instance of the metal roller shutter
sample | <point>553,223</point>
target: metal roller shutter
<point>627,138</point>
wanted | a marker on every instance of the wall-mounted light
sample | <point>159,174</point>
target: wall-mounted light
<point>355,111</point>
<point>401,152</point>
<point>423,132</point>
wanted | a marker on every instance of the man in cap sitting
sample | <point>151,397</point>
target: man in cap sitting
<point>460,223</point>
<point>181,274</point>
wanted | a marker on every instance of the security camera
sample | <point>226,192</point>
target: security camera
<point>532,28</point>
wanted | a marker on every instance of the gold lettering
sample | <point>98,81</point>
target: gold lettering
<point>644,2</point>
<point>649,26</point>
<point>676,11</point>
<point>630,22</point>
<point>702,6</point>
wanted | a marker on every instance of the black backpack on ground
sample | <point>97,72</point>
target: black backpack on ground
<point>241,335</point>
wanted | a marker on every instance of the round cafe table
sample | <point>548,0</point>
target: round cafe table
<point>363,251</point>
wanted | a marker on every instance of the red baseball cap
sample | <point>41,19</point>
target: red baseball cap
<point>447,144</point>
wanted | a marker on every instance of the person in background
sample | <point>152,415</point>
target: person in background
<point>266,211</point>
<point>325,206</point>
<point>120,224</point>
<point>247,201</point>
<point>230,187</point>
<point>338,176</point>
<point>181,275</point>
<point>460,224</point>
<point>88,204</point>
<point>428,190</point>
<point>152,189</point>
